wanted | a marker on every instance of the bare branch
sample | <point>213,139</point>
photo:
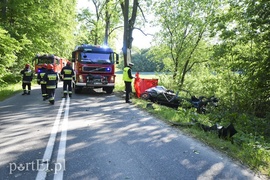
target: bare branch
<point>142,12</point>
<point>115,29</point>
<point>146,34</point>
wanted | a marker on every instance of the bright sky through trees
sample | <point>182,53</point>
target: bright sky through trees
<point>140,40</point>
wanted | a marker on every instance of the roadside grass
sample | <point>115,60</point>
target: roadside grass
<point>246,153</point>
<point>247,149</point>
<point>9,90</point>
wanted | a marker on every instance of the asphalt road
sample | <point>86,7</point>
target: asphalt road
<point>98,136</point>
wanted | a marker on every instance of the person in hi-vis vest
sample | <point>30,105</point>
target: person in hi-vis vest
<point>68,75</point>
<point>127,77</point>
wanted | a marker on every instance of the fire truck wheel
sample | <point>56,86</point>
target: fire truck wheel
<point>108,90</point>
<point>77,90</point>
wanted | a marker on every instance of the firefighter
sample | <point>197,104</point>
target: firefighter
<point>26,79</point>
<point>51,79</point>
<point>127,77</point>
<point>41,81</point>
<point>68,75</point>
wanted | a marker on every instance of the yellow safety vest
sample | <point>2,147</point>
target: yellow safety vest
<point>125,75</point>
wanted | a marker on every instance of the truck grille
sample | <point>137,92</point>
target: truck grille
<point>96,69</point>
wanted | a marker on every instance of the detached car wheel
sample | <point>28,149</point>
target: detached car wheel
<point>145,96</point>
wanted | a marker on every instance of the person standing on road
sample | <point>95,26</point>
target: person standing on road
<point>40,81</point>
<point>68,75</point>
<point>127,77</point>
<point>51,79</point>
<point>26,79</point>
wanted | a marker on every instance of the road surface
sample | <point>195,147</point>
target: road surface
<point>98,136</point>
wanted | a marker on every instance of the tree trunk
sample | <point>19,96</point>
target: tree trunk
<point>107,25</point>
<point>128,28</point>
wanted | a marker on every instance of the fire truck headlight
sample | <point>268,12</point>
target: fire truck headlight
<point>80,78</point>
<point>112,79</point>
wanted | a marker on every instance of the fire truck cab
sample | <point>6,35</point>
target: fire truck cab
<point>57,62</point>
<point>94,67</point>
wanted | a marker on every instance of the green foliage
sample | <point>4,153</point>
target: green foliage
<point>144,62</point>
<point>8,47</point>
<point>11,78</point>
<point>184,24</point>
<point>93,24</point>
<point>34,27</point>
<point>243,50</point>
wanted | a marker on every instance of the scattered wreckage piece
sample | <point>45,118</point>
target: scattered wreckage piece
<point>225,133</point>
<point>201,102</point>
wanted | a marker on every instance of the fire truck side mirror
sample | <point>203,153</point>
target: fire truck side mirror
<point>117,58</point>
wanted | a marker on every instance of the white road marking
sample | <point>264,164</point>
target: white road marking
<point>60,165</point>
<point>43,168</point>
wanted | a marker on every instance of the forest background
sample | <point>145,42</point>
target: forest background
<point>207,47</point>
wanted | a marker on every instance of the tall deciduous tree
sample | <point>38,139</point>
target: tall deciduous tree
<point>99,21</point>
<point>183,26</point>
<point>48,25</point>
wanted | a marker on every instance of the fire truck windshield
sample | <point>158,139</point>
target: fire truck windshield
<point>47,61</point>
<point>96,58</point>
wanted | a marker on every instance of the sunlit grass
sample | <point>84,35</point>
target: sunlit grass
<point>257,158</point>
<point>246,152</point>
<point>10,90</point>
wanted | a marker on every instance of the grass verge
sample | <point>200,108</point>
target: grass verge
<point>10,90</point>
<point>247,152</point>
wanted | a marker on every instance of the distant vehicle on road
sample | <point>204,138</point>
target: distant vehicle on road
<point>57,62</point>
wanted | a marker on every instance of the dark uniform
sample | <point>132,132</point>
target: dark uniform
<point>127,77</point>
<point>26,79</point>
<point>68,74</point>
<point>40,81</point>
<point>51,79</point>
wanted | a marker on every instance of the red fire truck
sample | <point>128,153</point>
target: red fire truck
<point>94,67</point>
<point>57,62</point>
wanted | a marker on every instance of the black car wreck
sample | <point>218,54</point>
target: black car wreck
<point>163,96</point>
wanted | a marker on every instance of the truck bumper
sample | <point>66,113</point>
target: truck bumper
<point>94,85</point>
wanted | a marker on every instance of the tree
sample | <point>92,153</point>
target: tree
<point>243,30</point>
<point>144,61</point>
<point>183,28</point>
<point>100,24</point>
<point>36,27</point>
<point>8,46</point>
<point>129,24</point>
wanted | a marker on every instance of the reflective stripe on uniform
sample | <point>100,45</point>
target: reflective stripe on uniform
<point>51,86</point>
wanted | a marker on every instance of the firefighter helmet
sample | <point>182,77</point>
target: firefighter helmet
<point>27,66</point>
<point>68,63</point>
<point>50,66</point>
<point>44,65</point>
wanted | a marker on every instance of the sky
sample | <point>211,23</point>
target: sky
<point>139,39</point>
